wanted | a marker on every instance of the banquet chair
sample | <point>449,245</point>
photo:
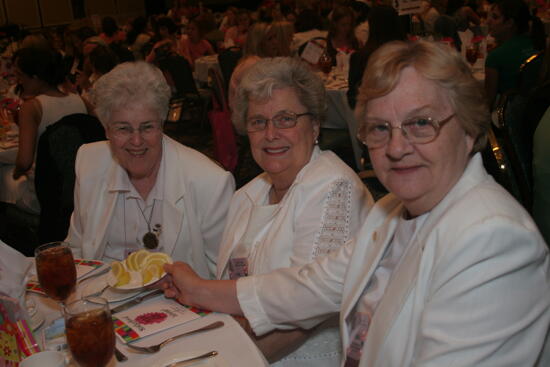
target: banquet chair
<point>228,60</point>
<point>55,172</point>
<point>518,113</point>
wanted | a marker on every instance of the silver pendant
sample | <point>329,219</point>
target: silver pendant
<point>150,241</point>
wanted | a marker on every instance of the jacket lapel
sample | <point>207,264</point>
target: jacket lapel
<point>371,243</point>
<point>404,277</point>
<point>104,215</point>
<point>173,199</point>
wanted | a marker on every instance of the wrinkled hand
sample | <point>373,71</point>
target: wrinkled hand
<point>181,283</point>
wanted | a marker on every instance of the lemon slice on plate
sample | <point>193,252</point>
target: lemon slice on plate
<point>136,259</point>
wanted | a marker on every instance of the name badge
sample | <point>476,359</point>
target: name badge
<point>358,335</point>
<point>238,267</point>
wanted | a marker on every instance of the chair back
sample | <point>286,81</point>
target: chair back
<point>179,74</point>
<point>518,114</point>
<point>55,173</point>
<point>228,60</point>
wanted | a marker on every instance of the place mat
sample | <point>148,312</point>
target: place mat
<point>83,267</point>
<point>151,317</point>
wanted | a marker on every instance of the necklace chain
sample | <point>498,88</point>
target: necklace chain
<point>150,214</point>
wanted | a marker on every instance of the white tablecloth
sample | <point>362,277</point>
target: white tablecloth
<point>234,346</point>
<point>339,114</point>
<point>203,64</point>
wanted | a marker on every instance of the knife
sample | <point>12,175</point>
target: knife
<point>136,301</point>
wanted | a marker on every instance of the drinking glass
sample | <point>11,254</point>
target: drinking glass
<point>89,331</point>
<point>472,54</point>
<point>325,63</point>
<point>56,269</point>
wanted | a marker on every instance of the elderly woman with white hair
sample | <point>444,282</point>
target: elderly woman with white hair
<point>306,204</point>
<point>448,269</point>
<point>141,189</point>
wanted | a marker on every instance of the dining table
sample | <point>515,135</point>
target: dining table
<point>203,65</point>
<point>233,345</point>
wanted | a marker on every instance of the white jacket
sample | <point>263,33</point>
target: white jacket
<point>197,194</point>
<point>303,228</point>
<point>473,288</point>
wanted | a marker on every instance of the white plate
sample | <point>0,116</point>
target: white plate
<point>111,280</point>
<point>110,294</point>
<point>216,361</point>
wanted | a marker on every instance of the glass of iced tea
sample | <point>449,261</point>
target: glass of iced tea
<point>56,269</point>
<point>89,331</point>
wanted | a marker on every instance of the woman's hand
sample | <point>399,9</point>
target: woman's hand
<point>188,288</point>
<point>181,283</point>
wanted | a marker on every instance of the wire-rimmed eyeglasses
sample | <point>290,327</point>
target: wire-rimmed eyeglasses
<point>417,130</point>
<point>125,130</point>
<point>281,120</point>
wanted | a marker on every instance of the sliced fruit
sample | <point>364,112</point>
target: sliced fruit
<point>158,256</point>
<point>140,258</point>
<point>117,268</point>
<point>135,259</point>
<point>123,278</point>
<point>146,276</point>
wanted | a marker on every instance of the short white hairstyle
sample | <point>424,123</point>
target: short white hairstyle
<point>130,83</point>
<point>270,74</point>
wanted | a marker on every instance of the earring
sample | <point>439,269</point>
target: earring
<point>316,141</point>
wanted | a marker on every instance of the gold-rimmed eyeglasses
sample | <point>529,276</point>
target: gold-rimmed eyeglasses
<point>281,120</point>
<point>125,130</point>
<point>417,130</point>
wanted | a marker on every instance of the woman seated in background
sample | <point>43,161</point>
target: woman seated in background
<point>264,40</point>
<point>165,41</point>
<point>138,37</point>
<point>193,44</point>
<point>341,34</point>
<point>306,204</point>
<point>518,36</point>
<point>39,72</point>
<point>447,269</point>
<point>110,32</point>
<point>141,189</point>
<point>236,35</point>
<point>384,26</point>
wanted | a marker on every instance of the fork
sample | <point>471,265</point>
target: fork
<point>156,348</point>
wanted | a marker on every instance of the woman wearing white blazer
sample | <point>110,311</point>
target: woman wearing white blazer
<point>141,189</point>
<point>306,204</point>
<point>447,270</point>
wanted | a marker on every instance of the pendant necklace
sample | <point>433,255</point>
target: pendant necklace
<point>150,240</point>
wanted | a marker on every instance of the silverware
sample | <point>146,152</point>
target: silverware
<point>94,274</point>
<point>121,357</point>
<point>156,348</point>
<point>136,301</point>
<point>183,362</point>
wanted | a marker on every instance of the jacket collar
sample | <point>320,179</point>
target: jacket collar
<point>174,191</point>
<point>403,279</point>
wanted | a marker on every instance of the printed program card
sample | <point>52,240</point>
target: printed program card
<point>151,317</point>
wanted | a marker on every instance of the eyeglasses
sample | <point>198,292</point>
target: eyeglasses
<point>125,131</point>
<point>417,130</point>
<point>282,120</point>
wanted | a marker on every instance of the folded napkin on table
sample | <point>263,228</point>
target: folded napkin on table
<point>14,267</point>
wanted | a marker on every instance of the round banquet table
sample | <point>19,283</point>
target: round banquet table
<point>232,343</point>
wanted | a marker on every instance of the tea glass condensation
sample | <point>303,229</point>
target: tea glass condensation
<point>89,331</point>
<point>55,269</point>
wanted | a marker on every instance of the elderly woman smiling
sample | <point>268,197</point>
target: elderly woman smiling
<point>448,269</point>
<point>141,188</point>
<point>306,203</point>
